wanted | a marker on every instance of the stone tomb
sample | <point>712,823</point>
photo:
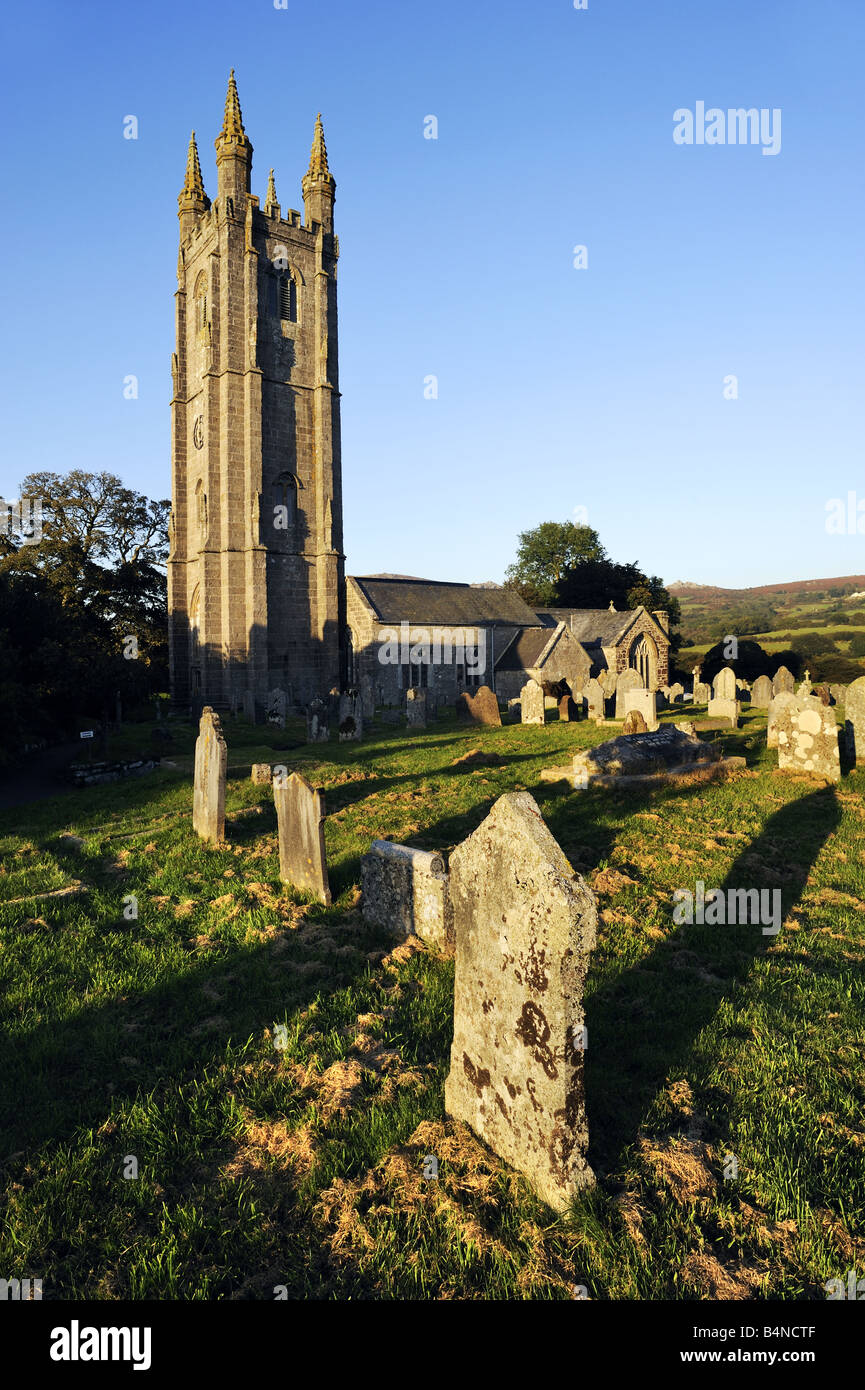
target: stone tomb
<point>405,891</point>
<point>627,680</point>
<point>524,925</point>
<point>761,693</point>
<point>532,707</point>
<point>300,829</point>
<point>808,738</point>
<point>854,720</point>
<point>481,708</point>
<point>415,708</point>
<point>211,765</point>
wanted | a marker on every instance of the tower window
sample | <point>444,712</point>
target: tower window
<point>287,294</point>
<point>201,302</point>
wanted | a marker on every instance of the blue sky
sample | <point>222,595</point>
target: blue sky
<point>599,388</point>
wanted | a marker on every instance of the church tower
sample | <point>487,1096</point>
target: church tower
<point>256,578</point>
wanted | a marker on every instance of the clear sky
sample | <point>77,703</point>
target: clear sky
<point>558,388</point>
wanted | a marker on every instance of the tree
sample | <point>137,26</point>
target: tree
<point>750,661</point>
<point>545,554</point>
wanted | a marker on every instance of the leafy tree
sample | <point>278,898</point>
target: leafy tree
<point>545,553</point>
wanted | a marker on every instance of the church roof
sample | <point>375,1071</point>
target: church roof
<point>433,602</point>
<point>525,649</point>
<point>595,627</point>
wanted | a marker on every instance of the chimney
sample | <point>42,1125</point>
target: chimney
<point>662,618</point>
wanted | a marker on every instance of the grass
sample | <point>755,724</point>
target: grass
<point>151,1038</point>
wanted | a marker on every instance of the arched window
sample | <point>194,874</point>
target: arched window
<point>287,297</point>
<point>201,302</point>
<point>201,509</point>
<point>351,671</point>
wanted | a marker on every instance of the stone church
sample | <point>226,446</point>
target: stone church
<point>257,595</point>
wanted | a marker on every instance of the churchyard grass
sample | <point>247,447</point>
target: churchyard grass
<point>302,1166</point>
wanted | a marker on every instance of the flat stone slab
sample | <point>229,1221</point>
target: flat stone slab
<point>642,754</point>
<point>694,772</point>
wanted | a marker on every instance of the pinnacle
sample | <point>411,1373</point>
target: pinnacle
<point>318,154</point>
<point>232,124</point>
<point>193,182</point>
<point>271,199</point>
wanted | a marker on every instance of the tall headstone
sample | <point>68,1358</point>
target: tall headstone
<point>628,679</point>
<point>405,891</point>
<point>777,705</point>
<point>524,925</point>
<point>593,693</point>
<point>211,765</point>
<point>724,684</point>
<point>608,680</point>
<point>481,708</point>
<point>415,708</point>
<point>275,709</point>
<point>702,693</point>
<point>761,693</point>
<point>808,738</point>
<point>532,707</point>
<point>367,697</point>
<point>854,720</point>
<point>783,682</point>
<point>300,829</point>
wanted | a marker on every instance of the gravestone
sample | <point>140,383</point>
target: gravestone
<point>367,697</point>
<point>838,693</point>
<point>805,687</point>
<point>300,830</point>
<point>761,692</point>
<point>249,706</point>
<point>415,708</point>
<point>854,721</point>
<point>777,704</point>
<point>640,755</point>
<point>724,709</point>
<point>593,693</point>
<point>822,693</point>
<point>702,693</point>
<point>211,765</point>
<point>724,684</point>
<point>608,681</point>
<point>628,679</point>
<point>532,707</point>
<point>808,738</point>
<point>634,723</point>
<point>783,682</point>
<point>317,727</point>
<point>275,708</point>
<point>261,774</point>
<point>677,691</point>
<point>643,701</point>
<point>481,708</point>
<point>350,718</point>
<point>524,925</point>
<point>569,710</point>
<point>405,891</point>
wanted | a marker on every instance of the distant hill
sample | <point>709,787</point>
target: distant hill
<point>706,592</point>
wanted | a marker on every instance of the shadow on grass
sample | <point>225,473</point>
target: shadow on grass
<point>644,1021</point>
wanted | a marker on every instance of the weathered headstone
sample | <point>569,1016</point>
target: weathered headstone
<point>211,765</point>
<point>261,774</point>
<point>677,690</point>
<point>702,693</point>
<point>628,679</point>
<point>300,829</point>
<point>249,706</point>
<point>783,682</point>
<point>644,701</point>
<point>532,707</point>
<point>481,708</point>
<point>317,728</point>
<point>777,704</point>
<point>634,723</point>
<point>808,738</point>
<point>524,925</point>
<point>804,688</point>
<point>593,693</point>
<point>415,708</point>
<point>608,681</point>
<point>854,720</point>
<point>367,697</point>
<point>406,891</point>
<point>823,695</point>
<point>761,693</point>
<point>569,709</point>
<point>724,684</point>
<point>838,693</point>
<point>275,708</point>
<point>724,709</point>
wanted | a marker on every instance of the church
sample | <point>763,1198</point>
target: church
<point>257,594</point>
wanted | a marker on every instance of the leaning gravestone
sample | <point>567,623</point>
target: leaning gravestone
<point>808,738</point>
<point>783,682</point>
<point>415,708</point>
<point>405,891</point>
<point>634,723</point>
<point>300,829</point>
<point>777,705</point>
<point>593,693</point>
<point>532,707</point>
<point>481,708</point>
<point>524,925</point>
<point>627,680</point>
<point>761,693</point>
<point>275,708</point>
<point>211,765</point>
<point>317,728</point>
<point>854,720</point>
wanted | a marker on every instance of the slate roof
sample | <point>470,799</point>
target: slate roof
<point>594,627</point>
<point>436,603</point>
<point>523,651</point>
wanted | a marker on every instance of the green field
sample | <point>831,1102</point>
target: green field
<point>152,1037</point>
